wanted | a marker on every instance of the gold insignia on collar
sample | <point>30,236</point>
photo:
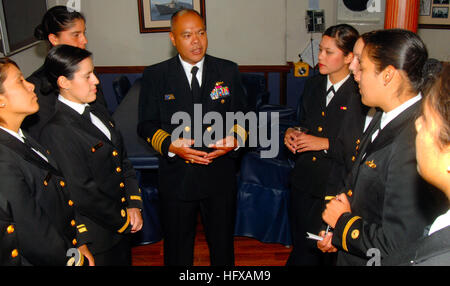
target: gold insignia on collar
<point>371,164</point>
<point>219,83</point>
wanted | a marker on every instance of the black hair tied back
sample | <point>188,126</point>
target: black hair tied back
<point>430,72</point>
<point>39,33</point>
<point>56,20</point>
<point>62,60</point>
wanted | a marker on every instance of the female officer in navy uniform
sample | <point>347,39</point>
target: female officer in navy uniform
<point>37,222</point>
<point>90,151</point>
<point>328,100</point>
<point>433,164</point>
<point>389,205</point>
<point>59,26</point>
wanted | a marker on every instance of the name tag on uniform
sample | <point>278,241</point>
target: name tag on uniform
<point>168,97</point>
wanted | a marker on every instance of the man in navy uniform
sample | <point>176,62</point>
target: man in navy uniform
<point>193,176</point>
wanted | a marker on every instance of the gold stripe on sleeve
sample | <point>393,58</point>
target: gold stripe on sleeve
<point>346,229</point>
<point>124,227</point>
<point>136,198</point>
<point>240,131</point>
<point>155,137</point>
<point>158,138</point>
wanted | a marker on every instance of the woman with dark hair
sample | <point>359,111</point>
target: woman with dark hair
<point>90,151</point>
<point>59,26</point>
<point>328,99</point>
<point>433,164</point>
<point>384,206</point>
<point>348,150</point>
<point>36,220</point>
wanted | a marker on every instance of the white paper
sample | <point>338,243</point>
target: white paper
<point>313,236</point>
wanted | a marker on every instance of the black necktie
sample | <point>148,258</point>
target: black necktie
<point>87,112</point>
<point>195,86</point>
<point>33,146</point>
<point>28,143</point>
<point>330,94</point>
<point>331,89</point>
<point>374,126</point>
<point>87,115</point>
<point>377,127</point>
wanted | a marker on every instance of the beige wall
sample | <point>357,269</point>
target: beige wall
<point>30,59</point>
<point>438,43</point>
<point>297,38</point>
<point>249,32</point>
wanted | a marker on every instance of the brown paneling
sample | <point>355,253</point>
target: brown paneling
<point>120,69</point>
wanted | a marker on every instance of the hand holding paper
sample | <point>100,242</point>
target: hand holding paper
<point>325,244</point>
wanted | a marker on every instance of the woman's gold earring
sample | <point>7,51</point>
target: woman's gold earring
<point>448,169</point>
<point>2,105</point>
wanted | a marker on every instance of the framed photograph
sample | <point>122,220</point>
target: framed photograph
<point>425,8</point>
<point>434,14</point>
<point>154,15</point>
<point>440,2</point>
<point>440,12</point>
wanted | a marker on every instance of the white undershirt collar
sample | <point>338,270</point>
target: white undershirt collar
<point>188,67</point>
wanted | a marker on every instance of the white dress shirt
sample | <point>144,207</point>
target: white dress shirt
<point>440,223</point>
<point>369,117</point>
<point>188,67</point>
<point>79,108</point>
<point>391,115</point>
<point>336,87</point>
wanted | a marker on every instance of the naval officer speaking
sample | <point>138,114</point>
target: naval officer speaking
<point>191,178</point>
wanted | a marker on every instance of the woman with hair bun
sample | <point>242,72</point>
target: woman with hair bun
<point>36,221</point>
<point>89,149</point>
<point>59,26</point>
<point>384,205</point>
<point>329,99</point>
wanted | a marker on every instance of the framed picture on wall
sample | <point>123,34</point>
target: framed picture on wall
<point>440,1</point>
<point>434,14</point>
<point>154,15</point>
<point>425,7</point>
